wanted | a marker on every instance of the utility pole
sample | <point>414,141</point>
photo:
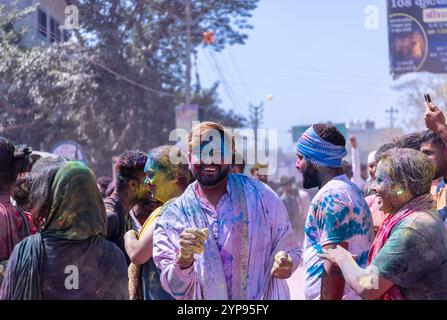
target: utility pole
<point>189,23</point>
<point>392,111</point>
<point>256,118</point>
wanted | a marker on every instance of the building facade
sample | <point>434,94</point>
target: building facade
<point>45,25</point>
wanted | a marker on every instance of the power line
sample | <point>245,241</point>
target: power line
<point>201,66</point>
<point>240,97</point>
<point>318,91</point>
<point>241,75</point>
<point>225,83</point>
<point>313,69</point>
<point>214,57</point>
<point>126,79</point>
<point>315,79</point>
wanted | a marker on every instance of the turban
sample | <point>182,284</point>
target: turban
<point>319,151</point>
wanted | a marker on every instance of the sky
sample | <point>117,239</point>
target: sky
<point>316,58</point>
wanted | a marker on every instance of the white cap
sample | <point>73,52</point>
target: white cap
<point>372,157</point>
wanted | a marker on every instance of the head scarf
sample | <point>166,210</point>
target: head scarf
<point>77,210</point>
<point>77,213</point>
<point>319,151</point>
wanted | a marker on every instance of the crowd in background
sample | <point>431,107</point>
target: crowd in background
<point>199,230</point>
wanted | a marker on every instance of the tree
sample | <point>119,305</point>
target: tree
<point>41,90</point>
<point>412,89</point>
<point>208,102</point>
<point>115,87</point>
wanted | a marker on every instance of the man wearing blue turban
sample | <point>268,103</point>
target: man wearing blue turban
<point>338,214</point>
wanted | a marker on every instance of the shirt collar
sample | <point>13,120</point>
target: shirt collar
<point>204,202</point>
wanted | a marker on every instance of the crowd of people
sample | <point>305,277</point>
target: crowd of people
<point>200,229</point>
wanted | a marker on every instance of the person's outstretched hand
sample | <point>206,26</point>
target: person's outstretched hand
<point>336,255</point>
<point>192,241</point>
<point>283,266</point>
<point>434,118</point>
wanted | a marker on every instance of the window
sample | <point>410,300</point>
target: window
<point>67,35</point>
<point>55,31</point>
<point>42,23</point>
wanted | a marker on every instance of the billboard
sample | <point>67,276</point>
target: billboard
<point>417,34</point>
<point>297,131</point>
<point>70,150</point>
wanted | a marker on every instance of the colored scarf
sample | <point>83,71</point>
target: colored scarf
<point>77,213</point>
<point>240,244</point>
<point>421,203</point>
<point>319,151</point>
<point>211,282</point>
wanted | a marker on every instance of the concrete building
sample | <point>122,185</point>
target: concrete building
<point>45,25</point>
<point>369,137</point>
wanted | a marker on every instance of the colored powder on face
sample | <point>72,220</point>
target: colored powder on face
<point>142,191</point>
<point>163,186</point>
<point>212,152</point>
<point>384,182</point>
<point>383,171</point>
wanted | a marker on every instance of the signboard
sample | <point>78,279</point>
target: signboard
<point>417,34</point>
<point>297,131</point>
<point>185,114</point>
<point>70,150</point>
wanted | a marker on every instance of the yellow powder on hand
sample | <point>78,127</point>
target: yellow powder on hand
<point>206,232</point>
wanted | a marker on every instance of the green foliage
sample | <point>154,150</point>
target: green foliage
<point>115,86</point>
<point>412,89</point>
<point>208,102</point>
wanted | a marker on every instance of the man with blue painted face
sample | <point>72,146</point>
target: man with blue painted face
<point>338,214</point>
<point>227,236</point>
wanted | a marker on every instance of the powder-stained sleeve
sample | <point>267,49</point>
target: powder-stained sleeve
<point>177,282</point>
<point>405,257</point>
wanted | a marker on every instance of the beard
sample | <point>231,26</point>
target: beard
<point>207,180</point>
<point>310,177</point>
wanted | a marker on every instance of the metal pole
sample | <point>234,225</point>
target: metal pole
<point>256,119</point>
<point>392,111</point>
<point>189,23</point>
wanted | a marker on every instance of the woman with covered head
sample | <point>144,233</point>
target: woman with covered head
<point>69,258</point>
<point>408,259</point>
<point>167,180</point>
